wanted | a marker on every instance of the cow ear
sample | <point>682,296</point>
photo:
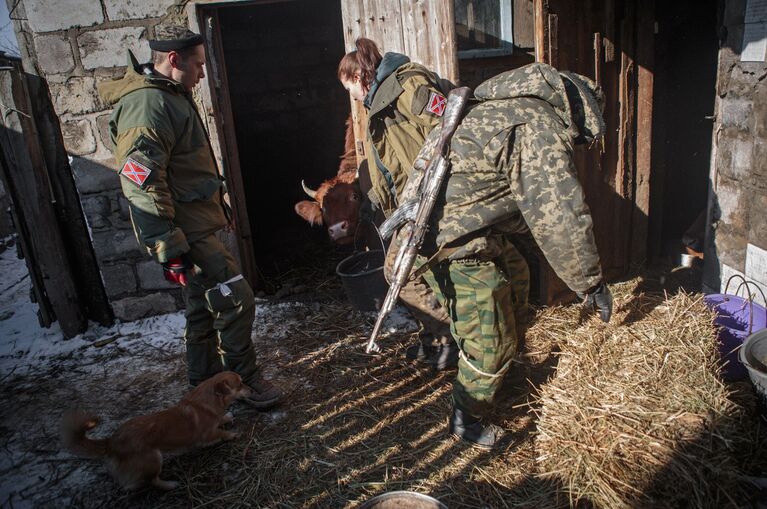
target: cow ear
<point>310,211</point>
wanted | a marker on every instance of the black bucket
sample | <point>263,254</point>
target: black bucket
<point>362,273</point>
<point>363,279</point>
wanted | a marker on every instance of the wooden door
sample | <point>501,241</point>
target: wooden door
<point>222,106</point>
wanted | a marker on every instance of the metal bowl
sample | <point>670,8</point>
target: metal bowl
<point>403,500</point>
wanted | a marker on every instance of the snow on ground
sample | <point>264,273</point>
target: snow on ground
<point>110,371</point>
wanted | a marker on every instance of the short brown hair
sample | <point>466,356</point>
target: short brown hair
<point>161,56</point>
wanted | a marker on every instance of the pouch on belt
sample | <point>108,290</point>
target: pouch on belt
<point>229,294</point>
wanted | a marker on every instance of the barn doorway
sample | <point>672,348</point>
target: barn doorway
<point>288,112</point>
<point>685,83</point>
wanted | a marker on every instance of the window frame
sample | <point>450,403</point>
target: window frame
<point>507,35</point>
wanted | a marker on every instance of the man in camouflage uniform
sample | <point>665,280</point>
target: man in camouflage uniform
<point>511,169</point>
<point>176,197</point>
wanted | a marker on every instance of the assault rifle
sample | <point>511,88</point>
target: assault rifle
<point>416,214</point>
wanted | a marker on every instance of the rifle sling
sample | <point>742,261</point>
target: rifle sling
<point>440,256</point>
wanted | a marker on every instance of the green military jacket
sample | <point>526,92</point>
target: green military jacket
<point>167,168</point>
<point>511,167</point>
<point>403,107</point>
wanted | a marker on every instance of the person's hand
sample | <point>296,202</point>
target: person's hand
<point>176,270</point>
<point>599,299</point>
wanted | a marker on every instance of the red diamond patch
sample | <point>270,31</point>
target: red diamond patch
<point>135,171</point>
<point>437,104</point>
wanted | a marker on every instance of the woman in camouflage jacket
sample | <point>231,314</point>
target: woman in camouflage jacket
<point>405,101</point>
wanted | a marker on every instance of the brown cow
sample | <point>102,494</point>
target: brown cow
<point>336,202</point>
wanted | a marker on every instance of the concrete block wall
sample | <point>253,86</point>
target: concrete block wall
<point>74,45</point>
<point>737,241</point>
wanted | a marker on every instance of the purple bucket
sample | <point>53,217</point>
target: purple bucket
<point>737,319</point>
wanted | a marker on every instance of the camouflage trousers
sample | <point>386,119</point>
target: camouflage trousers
<point>219,317</point>
<point>420,300</point>
<point>487,302</point>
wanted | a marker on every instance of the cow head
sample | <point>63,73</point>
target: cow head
<point>336,204</point>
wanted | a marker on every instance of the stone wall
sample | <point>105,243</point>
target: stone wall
<point>737,241</point>
<point>75,44</point>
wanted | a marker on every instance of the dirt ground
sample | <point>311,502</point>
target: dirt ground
<point>352,426</point>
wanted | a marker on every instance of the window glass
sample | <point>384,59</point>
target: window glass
<point>482,25</point>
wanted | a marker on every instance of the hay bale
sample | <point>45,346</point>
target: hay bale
<point>636,415</point>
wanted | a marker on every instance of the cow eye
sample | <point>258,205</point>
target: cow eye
<point>354,197</point>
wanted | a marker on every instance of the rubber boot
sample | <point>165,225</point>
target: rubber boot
<point>470,428</point>
<point>446,355</point>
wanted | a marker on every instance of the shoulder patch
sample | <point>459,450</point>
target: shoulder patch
<point>436,104</point>
<point>135,172</point>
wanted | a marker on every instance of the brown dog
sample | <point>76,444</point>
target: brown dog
<point>133,454</point>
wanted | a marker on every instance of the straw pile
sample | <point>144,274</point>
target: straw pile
<point>636,415</point>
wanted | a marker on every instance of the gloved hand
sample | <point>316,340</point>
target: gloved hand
<point>599,298</point>
<point>175,270</point>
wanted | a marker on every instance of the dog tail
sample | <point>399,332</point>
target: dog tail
<point>73,431</point>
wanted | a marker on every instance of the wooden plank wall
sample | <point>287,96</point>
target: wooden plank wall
<point>610,41</point>
<point>524,30</point>
<point>421,29</point>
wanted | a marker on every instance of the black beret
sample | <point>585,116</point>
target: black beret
<point>176,44</point>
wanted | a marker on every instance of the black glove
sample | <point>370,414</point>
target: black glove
<point>598,298</point>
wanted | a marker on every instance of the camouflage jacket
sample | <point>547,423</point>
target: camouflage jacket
<point>167,168</point>
<point>511,158</point>
<point>399,119</point>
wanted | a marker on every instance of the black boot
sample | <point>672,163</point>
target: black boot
<point>423,349</point>
<point>470,428</point>
<point>417,352</point>
<point>446,356</point>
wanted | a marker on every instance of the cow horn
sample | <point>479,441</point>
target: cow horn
<point>312,194</point>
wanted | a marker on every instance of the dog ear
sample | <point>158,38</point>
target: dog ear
<point>222,388</point>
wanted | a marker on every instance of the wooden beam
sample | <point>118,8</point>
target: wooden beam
<point>645,55</point>
<point>553,40</point>
<point>627,94</point>
<point>626,166</point>
<point>541,21</point>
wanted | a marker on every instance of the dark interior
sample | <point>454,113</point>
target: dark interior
<point>685,83</point>
<point>289,113</point>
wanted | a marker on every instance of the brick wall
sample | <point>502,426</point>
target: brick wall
<point>75,44</point>
<point>737,241</point>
